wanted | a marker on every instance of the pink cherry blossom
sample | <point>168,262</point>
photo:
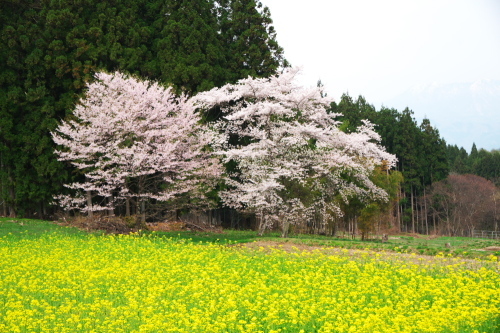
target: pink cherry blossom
<point>291,141</point>
<point>134,139</point>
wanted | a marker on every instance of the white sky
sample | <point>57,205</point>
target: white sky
<point>381,49</point>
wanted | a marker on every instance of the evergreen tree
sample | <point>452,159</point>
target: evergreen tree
<point>460,164</point>
<point>190,54</point>
<point>486,164</point>
<point>49,50</point>
<point>435,164</point>
<point>474,160</point>
<point>386,124</point>
<point>407,149</point>
<point>480,162</point>
<point>473,152</point>
<point>247,31</point>
<point>52,49</point>
<point>29,171</point>
<point>452,152</point>
<point>350,115</point>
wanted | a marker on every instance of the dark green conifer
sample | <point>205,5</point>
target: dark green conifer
<point>50,49</point>
<point>246,28</point>
<point>190,53</point>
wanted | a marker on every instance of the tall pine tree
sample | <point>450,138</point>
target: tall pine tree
<point>190,53</point>
<point>246,28</point>
<point>50,49</point>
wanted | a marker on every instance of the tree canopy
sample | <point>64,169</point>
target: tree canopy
<point>420,150</point>
<point>285,143</point>
<point>49,50</point>
<point>134,140</point>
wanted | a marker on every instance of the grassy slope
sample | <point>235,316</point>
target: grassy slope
<point>460,246</point>
<point>23,227</point>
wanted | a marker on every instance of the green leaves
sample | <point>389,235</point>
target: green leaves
<point>49,50</point>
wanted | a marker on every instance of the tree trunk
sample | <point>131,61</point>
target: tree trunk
<point>110,203</point>
<point>143,211</point>
<point>89,203</point>
<point>399,209</point>
<point>4,206</point>
<point>127,206</point>
<point>434,223</point>
<point>495,214</point>
<point>418,215</point>
<point>354,224</point>
<point>261,223</point>
<point>425,215</point>
<point>285,228</point>
<point>12,204</point>
<point>412,214</point>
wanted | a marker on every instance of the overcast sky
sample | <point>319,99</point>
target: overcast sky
<point>386,49</point>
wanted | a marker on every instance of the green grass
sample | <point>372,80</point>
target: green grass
<point>227,237</point>
<point>78,282</point>
<point>34,228</point>
<point>460,246</point>
<point>61,279</point>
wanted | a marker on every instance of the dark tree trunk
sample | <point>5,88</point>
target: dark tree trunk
<point>89,203</point>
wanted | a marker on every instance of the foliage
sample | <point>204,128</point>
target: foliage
<point>49,51</point>
<point>134,140</point>
<point>480,162</point>
<point>285,145</point>
<point>372,216</point>
<point>246,28</point>
<point>191,52</point>
<point>122,283</point>
<point>16,228</point>
<point>366,221</point>
<point>463,203</point>
<point>420,151</point>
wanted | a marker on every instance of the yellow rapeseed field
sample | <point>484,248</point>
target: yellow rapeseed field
<point>100,284</point>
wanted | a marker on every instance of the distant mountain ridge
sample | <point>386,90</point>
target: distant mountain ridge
<point>464,113</point>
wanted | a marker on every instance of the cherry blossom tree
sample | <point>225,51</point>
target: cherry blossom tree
<point>134,141</point>
<point>292,159</point>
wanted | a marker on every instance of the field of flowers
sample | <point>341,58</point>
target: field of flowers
<point>88,283</point>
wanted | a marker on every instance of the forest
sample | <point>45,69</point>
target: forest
<point>444,190</point>
<point>51,51</point>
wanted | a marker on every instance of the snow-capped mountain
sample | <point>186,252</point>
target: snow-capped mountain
<point>464,113</point>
